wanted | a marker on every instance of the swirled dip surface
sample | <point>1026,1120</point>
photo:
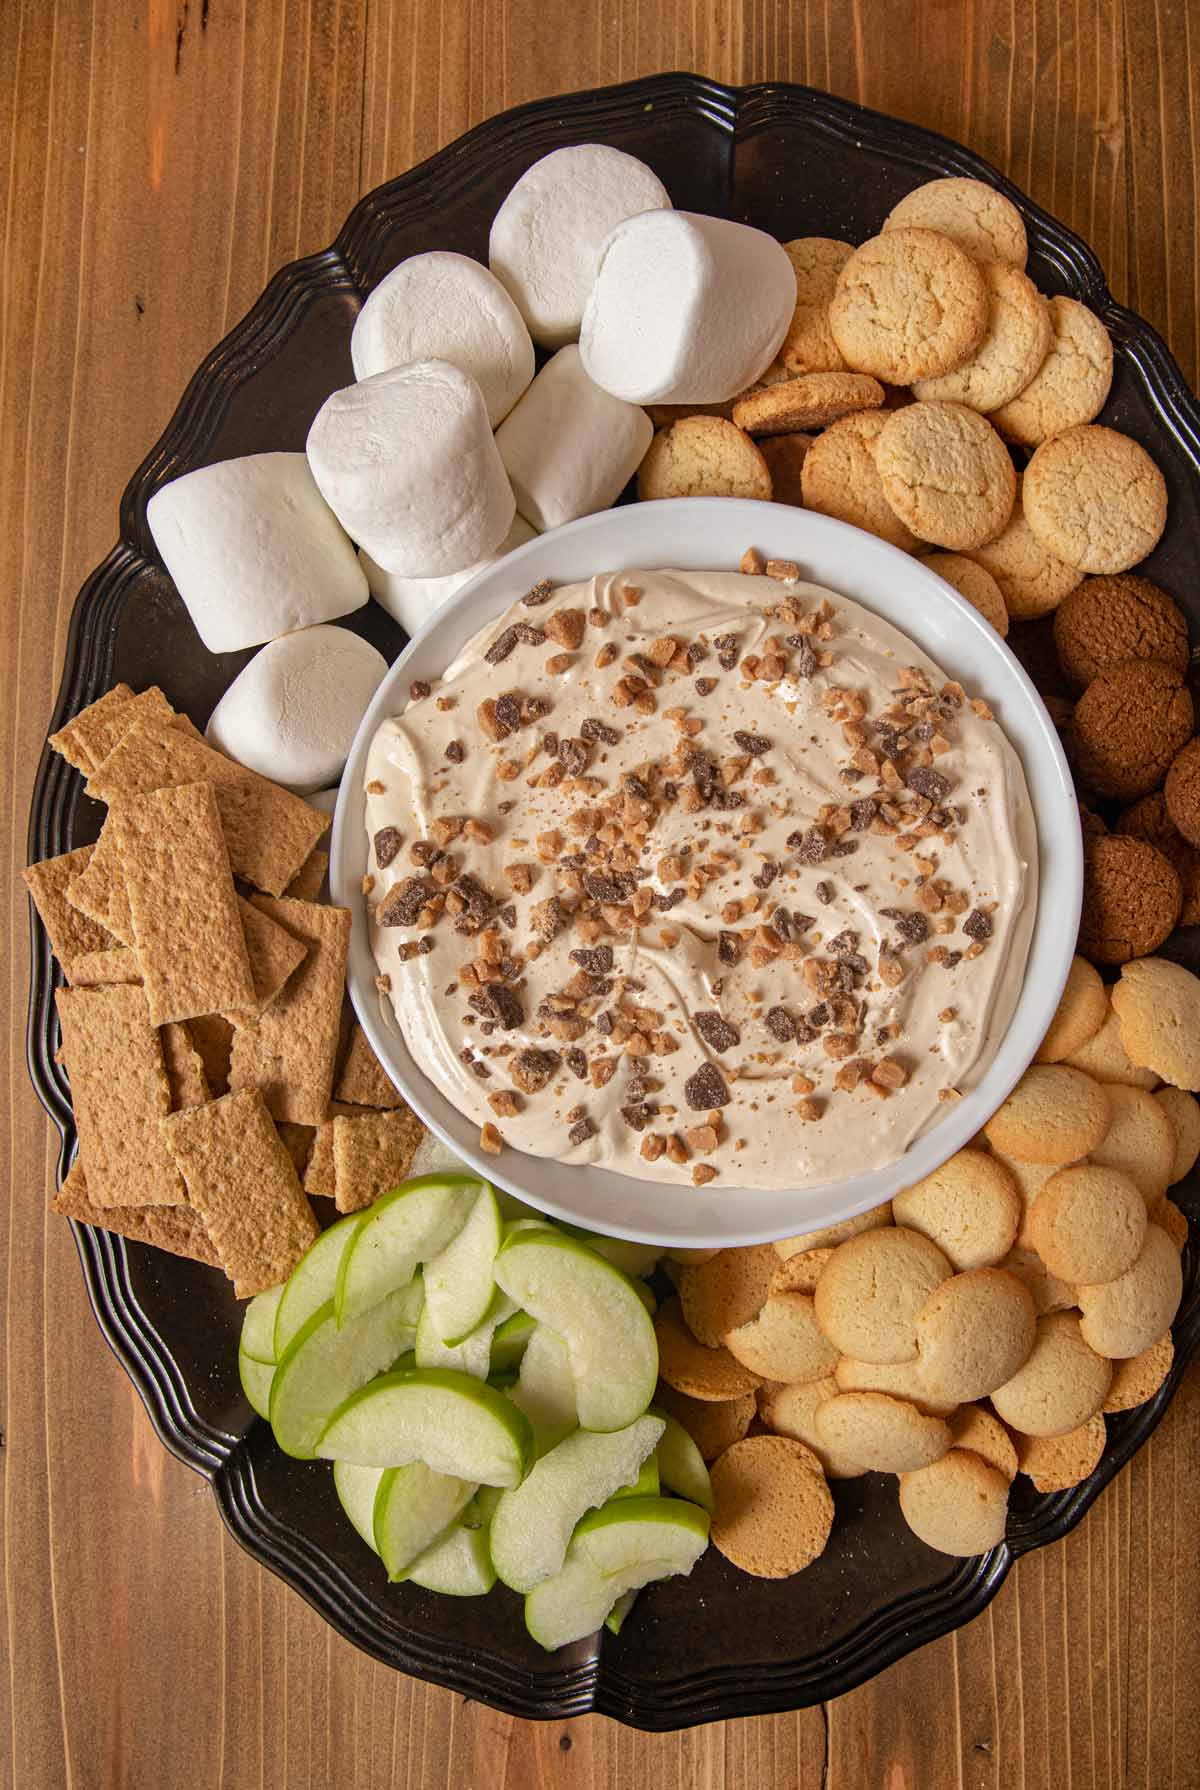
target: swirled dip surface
<point>698,875</point>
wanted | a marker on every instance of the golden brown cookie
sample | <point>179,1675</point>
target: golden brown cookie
<point>1131,899</point>
<point>1183,1113</point>
<point>1157,1004</point>
<point>1089,1222</point>
<point>1105,1058</point>
<point>726,1291</point>
<point>831,1235</point>
<point>1032,580</point>
<point>791,1411</point>
<point>703,456</point>
<point>972,214</point>
<point>1166,1215</point>
<point>947,474</point>
<point>801,1272</point>
<point>1182,792</point>
<point>1082,1010</point>
<point>1148,818</point>
<point>1030,1178</point>
<point>1105,620</point>
<point>839,478</point>
<point>885,1435</point>
<point>784,1341</point>
<point>907,306</point>
<point>809,401</point>
<point>959,1505</point>
<point>1063,1382</point>
<point>809,346</point>
<point>1128,726</point>
<point>974,1427</point>
<point>1054,1114</point>
<point>899,1379</point>
<point>712,1424</point>
<point>1015,344</point>
<point>1056,1462</point>
<point>871,1290</point>
<point>1045,1289</point>
<point>975,583</point>
<point>974,1332</point>
<point>1095,498</point>
<point>1072,384</point>
<point>1140,1142</point>
<point>785,456</point>
<point>1139,1377</point>
<point>1124,1316</point>
<point>772,1513</point>
<point>689,1367</point>
<point>969,1207</point>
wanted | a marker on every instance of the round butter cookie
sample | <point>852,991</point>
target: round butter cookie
<point>1095,498</point>
<point>947,474</point>
<point>784,1341</point>
<point>1055,1463</point>
<point>689,1367</point>
<point>1148,818</point>
<point>908,305</point>
<point>972,214</point>
<point>871,1290</point>
<point>1072,384</point>
<point>975,1427</point>
<point>809,401</point>
<point>969,1207</point>
<point>1032,580</point>
<point>785,456</point>
<point>1054,1114</point>
<point>1182,792</point>
<point>1105,620</point>
<point>1063,1382</point>
<point>1045,1289</point>
<point>959,1505</point>
<point>886,1435</point>
<point>975,583</point>
<point>830,1235</point>
<point>711,1424</point>
<point>1089,1222</point>
<point>839,478</point>
<point>800,1273</point>
<point>1132,899</point>
<point>1105,1058</point>
<point>1157,1004</point>
<point>1139,1377</point>
<point>974,1332</point>
<point>1139,1142</point>
<point>773,1512</point>
<point>899,1379</point>
<point>1128,726</point>
<point>1081,1011</point>
<point>1030,1178</point>
<point>809,346</point>
<point>791,1411</point>
<point>1124,1316</point>
<point>703,456</point>
<point>726,1291</point>
<point>1166,1215</point>
<point>1015,344</point>
<point>1183,1112</point>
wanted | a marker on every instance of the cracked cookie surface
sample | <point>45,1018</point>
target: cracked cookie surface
<point>947,474</point>
<point>1072,383</point>
<point>973,215</point>
<point>1015,344</point>
<point>1095,498</point>
<point>908,305</point>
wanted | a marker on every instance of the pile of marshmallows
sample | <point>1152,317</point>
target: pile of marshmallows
<point>449,451</point>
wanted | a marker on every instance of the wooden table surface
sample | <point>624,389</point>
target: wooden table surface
<point>160,160</point>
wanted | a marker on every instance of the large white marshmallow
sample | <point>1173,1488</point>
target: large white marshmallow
<point>408,463</point>
<point>254,550</point>
<point>293,711</point>
<point>546,236</point>
<point>570,448</point>
<point>411,601</point>
<point>443,306</point>
<point>686,309</point>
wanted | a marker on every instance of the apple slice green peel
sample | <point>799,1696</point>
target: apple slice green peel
<point>258,1325</point>
<point>458,1280</point>
<point>356,1488</point>
<point>413,1507</point>
<point>473,1355</point>
<point>621,1547</point>
<point>313,1280</point>
<point>681,1465</point>
<point>545,1388</point>
<point>393,1237</point>
<point>458,1564</point>
<point>256,1378</point>
<point>455,1424</point>
<point>323,1365</point>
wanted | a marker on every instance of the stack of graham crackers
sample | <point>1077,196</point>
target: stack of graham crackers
<point>216,1075</point>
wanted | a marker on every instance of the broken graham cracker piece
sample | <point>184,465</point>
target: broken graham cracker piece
<point>74,738</point>
<point>177,1229</point>
<point>212,1036</point>
<point>71,932</point>
<point>98,729</point>
<point>273,953</point>
<point>184,1066</point>
<point>120,1092</point>
<point>372,1155</point>
<point>100,969</point>
<point>290,1050</point>
<point>307,882</point>
<point>364,1081</point>
<point>243,1183</point>
<point>99,889</point>
<point>186,925</point>
<point>297,1140</point>
<point>268,831</point>
<point>320,1177</point>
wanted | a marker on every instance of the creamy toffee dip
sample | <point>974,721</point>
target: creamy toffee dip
<point>699,875</point>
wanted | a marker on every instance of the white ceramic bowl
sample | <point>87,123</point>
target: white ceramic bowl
<point>705,533</point>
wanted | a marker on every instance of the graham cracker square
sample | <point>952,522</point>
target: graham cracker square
<point>120,1092</point>
<point>364,1081</point>
<point>290,1050</point>
<point>177,1229</point>
<point>71,933</point>
<point>371,1155</point>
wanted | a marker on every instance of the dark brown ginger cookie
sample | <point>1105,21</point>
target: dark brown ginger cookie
<point>1131,899</point>
<point>1182,791</point>
<point>1128,725</point>
<point>1148,819</point>
<point>1123,616</point>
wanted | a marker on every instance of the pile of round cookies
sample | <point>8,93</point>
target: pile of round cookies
<point>979,1325</point>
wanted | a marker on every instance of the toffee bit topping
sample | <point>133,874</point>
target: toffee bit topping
<point>388,841</point>
<point>928,783</point>
<point>456,752</point>
<point>766,876</point>
<point>508,711</point>
<point>573,756</point>
<point>824,893</point>
<point>781,1025</point>
<point>716,1031</point>
<point>639,1114</point>
<point>532,1068</point>
<point>706,1089</point>
<point>516,634</point>
<point>844,944</point>
<point>548,918</point>
<point>977,925</point>
<point>807,663</point>
<point>705,686</point>
<point>597,960</point>
<point>541,593</point>
<point>418,690</point>
<point>504,1006</point>
<point>729,947</point>
<point>664,901</point>
<point>403,903</point>
<point>615,887</point>
<point>727,651</point>
<point>576,1062</point>
<point>811,846</point>
<point>593,730</point>
<point>581,1131</point>
<point>911,928</point>
<point>862,813</point>
<point>753,743</point>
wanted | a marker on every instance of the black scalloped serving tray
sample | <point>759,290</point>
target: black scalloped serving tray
<point>794,162</point>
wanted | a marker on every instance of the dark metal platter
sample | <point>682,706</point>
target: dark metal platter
<point>794,162</point>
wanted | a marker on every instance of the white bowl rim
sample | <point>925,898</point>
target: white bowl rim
<point>704,534</point>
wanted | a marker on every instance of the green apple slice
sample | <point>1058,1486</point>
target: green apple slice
<point>646,1294</point>
<point>454,1423</point>
<point>680,1463</point>
<point>413,1507</point>
<point>593,1307</point>
<point>312,1281</point>
<point>483,1505</point>
<point>258,1325</point>
<point>323,1365</point>
<point>409,1226</point>
<point>533,1524</point>
<point>616,1616</point>
<point>458,1564</point>
<point>356,1488</point>
<point>473,1355</point>
<point>545,1389</point>
<point>256,1377</point>
<point>634,1259</point>
<point>615,1550</point>
<point>646,1485</point>
<point>458,1281</point>
<point>509,1342</point>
